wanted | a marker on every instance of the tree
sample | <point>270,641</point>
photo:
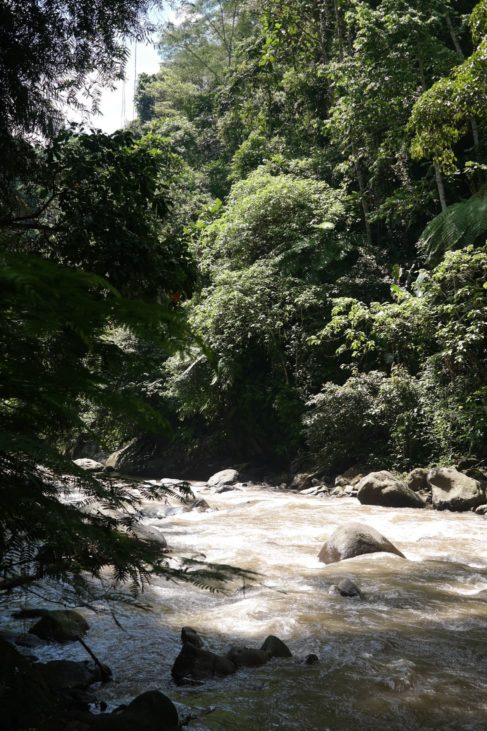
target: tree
<point>203,45</point>
<point>455,105</point>
<point>74,208</point>
<point>266,259</point>
<point>289,220</point>
<point>304,134</point>
<point>434,339</point>
<point>49,51</point>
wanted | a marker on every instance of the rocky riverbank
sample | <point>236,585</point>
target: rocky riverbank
<point>333,612</point>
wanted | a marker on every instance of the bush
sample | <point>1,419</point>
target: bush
<point>434,341</point>
<point>284,218</point>
<point>371,418</point>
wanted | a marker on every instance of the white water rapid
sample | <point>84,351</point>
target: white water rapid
<point>410,656</point>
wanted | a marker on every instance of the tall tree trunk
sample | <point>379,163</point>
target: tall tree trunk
<point>441,187</point>
<point>438,175</point>
<point>363,200</point>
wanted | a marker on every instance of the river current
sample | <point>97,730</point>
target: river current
<point>410,656</point>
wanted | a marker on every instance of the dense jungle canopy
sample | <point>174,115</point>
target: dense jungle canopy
<point>281,261</point>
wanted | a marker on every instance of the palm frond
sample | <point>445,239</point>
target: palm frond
<point>462,224</point>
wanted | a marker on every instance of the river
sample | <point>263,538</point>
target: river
<point>410,656</point>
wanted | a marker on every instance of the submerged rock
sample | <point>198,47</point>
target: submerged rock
<point>194,662</point>
<point>452,490</point>
<point>248,657</point>
<point>224,477</point>
<point>311,659</point>
<point>199,505</point>
<point>353,540</point>
<point>347,588</point>
<point>381,488</point>
<point>227,488</point>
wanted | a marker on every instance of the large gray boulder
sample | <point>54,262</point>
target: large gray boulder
<point>88,465</point>
<point>302,481</point>
<point>352,476</point>
<point>56,625</point>
<point>355,539</point>
<point>142,457</point>
<point>418,479</point>
<point>150,533</point>
<point>452,490</point>
<point>382,488</point>
<point>224,477</point>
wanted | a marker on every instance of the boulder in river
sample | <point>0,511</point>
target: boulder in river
<point>188,634</point>
<point>452,490</point>
<point>57,625</point>
<point>311,659</point>
<point>143,457</point>
<point>352,476</point>
<point>26,700</point>
<point>194,662</point>
<point>199,505</point>
<point>276,647</point>
<point>381,488</point>
<point>347,588</point>
<point>150,711</point>
<point>227,488</point>
<point>248,657</point>
<point>150,533</point>
<point>68,675</point>
<point>27,640</point>
<point>302,481</point>
<point>88,465</point>
<point>224,477</point>
<point>418,479</point>
<point>355,539</point>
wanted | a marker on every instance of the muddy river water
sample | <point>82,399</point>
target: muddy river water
<point>411,655</point>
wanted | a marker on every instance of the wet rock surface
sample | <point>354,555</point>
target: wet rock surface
<point>346,588</point>
<point>150,711</point>
<point>453,490</point>
<point>381,488</point>
<point>68,675</point>
<point>58,625</point>
<point>194,662</point>
<point>355,539</point>
<point>223,478</point>
<point>275,647</point>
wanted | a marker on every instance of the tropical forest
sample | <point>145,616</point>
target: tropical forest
<point>243,365</point>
